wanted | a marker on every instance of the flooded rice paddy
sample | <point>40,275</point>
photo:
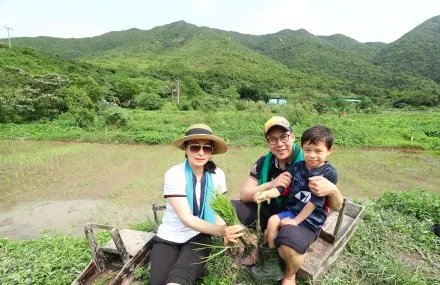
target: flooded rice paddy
<point>56,186</point>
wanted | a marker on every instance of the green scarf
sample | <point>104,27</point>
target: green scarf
<point>264,173</point>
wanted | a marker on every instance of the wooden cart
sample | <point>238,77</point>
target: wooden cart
<point>115,262</point>
<point>335,234</point>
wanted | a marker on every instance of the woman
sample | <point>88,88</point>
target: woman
<point>188,218</point>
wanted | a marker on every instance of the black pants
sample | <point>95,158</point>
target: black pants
<point>177,262</point>
<point>299,238</point>
<point>247,213</point>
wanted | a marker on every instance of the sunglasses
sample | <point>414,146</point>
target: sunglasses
<point>195,148</point>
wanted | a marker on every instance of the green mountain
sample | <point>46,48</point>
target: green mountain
<point>336,56</point>
<point>200,49</point>
<point>175,50</point>
<point>417,51</point>
<point>366,50</point>
<point>216,68</point>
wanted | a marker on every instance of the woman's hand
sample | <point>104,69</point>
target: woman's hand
<point>231,233</point>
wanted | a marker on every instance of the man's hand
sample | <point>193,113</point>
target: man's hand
<point>288,221</point>
<point>321,187</point>
<point>260,197</point>
<point>282,180</point>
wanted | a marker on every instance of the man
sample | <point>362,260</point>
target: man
<point>269,172</point>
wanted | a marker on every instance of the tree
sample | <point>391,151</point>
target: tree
<point>125,91</point>
<point>42,97</point>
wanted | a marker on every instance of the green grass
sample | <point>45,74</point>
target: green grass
<point>410,129</point>
<point>392,245</point>
<point>51,259</point>
<point>46,260</point>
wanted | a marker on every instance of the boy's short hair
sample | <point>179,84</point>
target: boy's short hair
<point>317,134</point>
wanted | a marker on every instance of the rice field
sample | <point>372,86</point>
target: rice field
<point>61,186</point>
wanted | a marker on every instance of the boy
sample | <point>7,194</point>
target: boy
<point>302,206</point>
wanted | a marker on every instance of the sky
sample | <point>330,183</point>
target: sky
<point>362,20</point>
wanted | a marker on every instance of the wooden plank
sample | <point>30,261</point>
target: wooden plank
<point>330,223</point>
<point>119,243</point>
<point>320,250</point>
<point>338,248</point>
<point>133,241</point>
<point>97,255</point>
<point>125,276</point>
<point>117,272</point>
<point>87,274</point>
<point>353,210</point>
<point>340,219</point>
<point>328,228</point>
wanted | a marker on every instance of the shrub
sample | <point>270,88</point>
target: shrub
<point>84,118</point>
<point>148,101</point>
<point>114,116</point>
<point>423,205</point>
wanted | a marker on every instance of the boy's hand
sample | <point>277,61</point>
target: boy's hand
<point>288,221</point>
<point>260,197</point>
<point>321,187</point>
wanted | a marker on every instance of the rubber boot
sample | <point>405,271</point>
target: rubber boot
<point>268,267</point>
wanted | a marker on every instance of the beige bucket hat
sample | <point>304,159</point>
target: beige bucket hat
<point>202,131</point>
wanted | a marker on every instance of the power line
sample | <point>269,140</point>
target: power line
<point>9,38</point>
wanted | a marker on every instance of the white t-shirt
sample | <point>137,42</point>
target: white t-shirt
<point>172,228</point>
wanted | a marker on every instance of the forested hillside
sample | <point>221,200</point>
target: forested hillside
<point>216,70</point>
<point>417,51</point>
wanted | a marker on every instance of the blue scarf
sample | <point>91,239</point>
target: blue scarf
<point>205,213</point>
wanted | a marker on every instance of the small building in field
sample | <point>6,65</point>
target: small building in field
<point>351,100</point>
<point>277,101</point>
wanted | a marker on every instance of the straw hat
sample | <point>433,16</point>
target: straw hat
<point>203,132</point>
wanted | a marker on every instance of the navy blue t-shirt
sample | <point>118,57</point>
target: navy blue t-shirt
<point>300,194</point>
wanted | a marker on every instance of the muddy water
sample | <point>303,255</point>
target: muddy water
<point>55,186</point>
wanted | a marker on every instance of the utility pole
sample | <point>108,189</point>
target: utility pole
<point>178,90</point>
<point>9,38</point>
